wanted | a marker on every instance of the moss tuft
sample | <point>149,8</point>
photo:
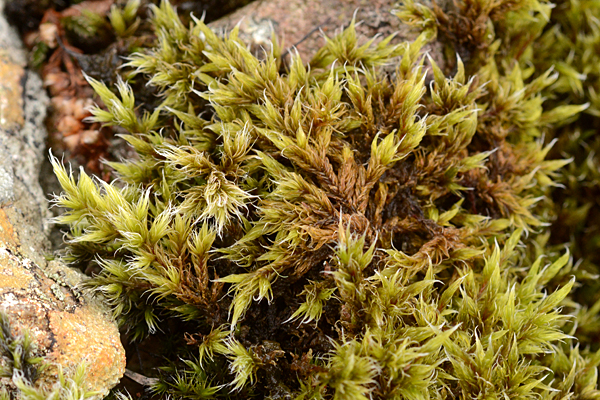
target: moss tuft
<point>365,224</point>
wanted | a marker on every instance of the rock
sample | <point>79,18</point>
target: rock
<point>68,327</point>
<point>298,22</point>
<point>301,25</point>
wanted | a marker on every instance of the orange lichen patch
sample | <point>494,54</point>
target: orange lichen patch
<point>12,276</point>
<point>11,95</point>
<point>101,350</point>
<point>29,314</point>
<point>8,236</point>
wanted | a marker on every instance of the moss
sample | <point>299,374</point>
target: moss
<point>574,38</point>
<point>366,224</point>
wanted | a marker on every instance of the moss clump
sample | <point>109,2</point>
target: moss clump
<point>571,43</point>
<point>349,228</point>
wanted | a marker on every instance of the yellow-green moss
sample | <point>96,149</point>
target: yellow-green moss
<point>371,226</point>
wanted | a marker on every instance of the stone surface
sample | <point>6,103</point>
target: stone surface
<point>298,22</point>
<point>68,326</point>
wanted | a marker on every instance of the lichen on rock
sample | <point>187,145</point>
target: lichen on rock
<point>45,316</point>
